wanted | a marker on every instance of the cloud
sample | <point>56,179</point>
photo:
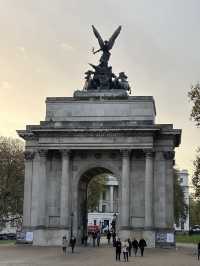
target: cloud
<point>5,85</point>
<point>66,47</point>
<point>21,49</point>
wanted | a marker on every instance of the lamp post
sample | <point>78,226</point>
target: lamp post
<point>71,231</point>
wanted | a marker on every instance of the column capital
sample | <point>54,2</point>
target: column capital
<point>29,155</point>
<point>43,153</point>
<point>169,155</point>
<point>65,152</point>
<point>125,153</point>
<point>149,153</point>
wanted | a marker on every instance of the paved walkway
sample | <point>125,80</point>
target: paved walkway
<point>103,256</point>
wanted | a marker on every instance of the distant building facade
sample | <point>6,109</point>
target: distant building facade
<point>184,225</point>
<point>108,206</point>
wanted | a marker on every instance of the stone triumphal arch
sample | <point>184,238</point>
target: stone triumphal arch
<point>82,137</point>
<point>101,128</point>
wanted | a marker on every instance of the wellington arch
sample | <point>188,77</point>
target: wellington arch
<point>102,128</point>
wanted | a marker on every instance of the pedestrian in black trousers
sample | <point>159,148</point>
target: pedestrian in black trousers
<point>142,244</point>
<point>198,250</point>
<point>118,249</point>
<point>129,247</point>
<point>135,246</point>
<point>72,243</point>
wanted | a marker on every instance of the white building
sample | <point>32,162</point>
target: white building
<point>184,225</point>
<point>108,205</point>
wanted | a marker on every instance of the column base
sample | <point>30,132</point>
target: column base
<point>49,237</point>
<point>43,237</point>
<point>149,236</point>
<point>165,238</point>
<point>138,233</point>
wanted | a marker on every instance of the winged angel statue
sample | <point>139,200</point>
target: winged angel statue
<point>105,46</point>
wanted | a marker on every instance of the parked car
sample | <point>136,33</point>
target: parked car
<point>11,236</point>
<point>195,229</point>
<point>3,237</point>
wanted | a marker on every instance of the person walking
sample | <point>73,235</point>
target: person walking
<point>129,247</point>
<point>142,244</point>
<point>72,243</point>
<point>198,250</point>
<point>113,238</point>
<point>135,246</point>
<point>125,251</point>
<point>98,238</point>
<point>86,240</point>
<point>118,249</point>
<point>94,236</point>
<point>108,237</point>
<point>64,245</point>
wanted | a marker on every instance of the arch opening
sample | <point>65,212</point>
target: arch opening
<point>98,201</point>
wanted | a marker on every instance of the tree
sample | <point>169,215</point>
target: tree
<point>96,186</point>
<point>194,212</point>
<point>11,178</point>
<point>196,175</point>
<point>180,206</point>
<point>194,96</point>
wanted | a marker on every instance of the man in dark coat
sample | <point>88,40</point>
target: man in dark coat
<point>118,248</point>
<point>114,238</point>
<point>129,247</point>
<point>108,237</point>
<point>72,243</point>
<point>135,246</point>
<point>142,244</point>
<point>198,250</point>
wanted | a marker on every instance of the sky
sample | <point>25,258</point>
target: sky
<point>46,46</point>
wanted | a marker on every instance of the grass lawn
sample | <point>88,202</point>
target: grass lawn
<point>188,239</point>
<point>7,242</point>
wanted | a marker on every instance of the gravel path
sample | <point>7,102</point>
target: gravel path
<point>103,256</point>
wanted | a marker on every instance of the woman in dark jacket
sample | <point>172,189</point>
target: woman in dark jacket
<point>142,244</point>
<point>135,246</point>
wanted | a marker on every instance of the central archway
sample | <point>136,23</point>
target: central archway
<point>82,193</point>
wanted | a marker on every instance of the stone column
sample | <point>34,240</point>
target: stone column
<point>100,202</point>
<point>125,184</point>
<point>160,190</point>
<point>42,197</point>
<point>169,156</point>
<point>28,155</point>
<point>64,190</point>
<point>149,190</point>
<point>111,198</point>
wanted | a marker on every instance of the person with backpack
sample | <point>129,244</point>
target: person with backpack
<point>142,244</point>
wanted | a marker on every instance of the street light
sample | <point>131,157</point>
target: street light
<point>71,231</point>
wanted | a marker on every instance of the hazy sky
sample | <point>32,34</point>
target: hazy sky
<point>46,46</point>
